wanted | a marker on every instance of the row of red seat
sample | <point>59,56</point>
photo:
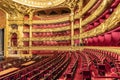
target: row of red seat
<point>71,69</point>
<point>48,43</point>
<point>45,26</point>
<point>105,62</point>
<point>50,34</point>
<point>43,69</point>
<point>52,71</point>
<point>84,69</point>
<point>107,39</point>
<point>18,75</point>
<point>45,43</point>
<point>8,63</point>
<point>94,63</point>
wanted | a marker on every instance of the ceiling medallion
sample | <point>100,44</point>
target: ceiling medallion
<point>40,3</point>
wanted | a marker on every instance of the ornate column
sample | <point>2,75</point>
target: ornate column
<point>6,36</point>
<point>72,26</point>
<point>20,35</point>
<point>80,4</point>
<point>30,33</point>
<point>80,30</point>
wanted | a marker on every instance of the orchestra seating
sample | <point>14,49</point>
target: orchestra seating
<point>92,64</point>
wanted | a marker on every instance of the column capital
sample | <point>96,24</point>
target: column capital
<point>71,17</point>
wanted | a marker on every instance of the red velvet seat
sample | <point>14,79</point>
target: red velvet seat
<point>115,38</point>
<point>101,40</point>
<point>113,72</point>
<point>107,40</point>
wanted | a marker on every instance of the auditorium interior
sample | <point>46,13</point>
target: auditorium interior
<point>59,39</point>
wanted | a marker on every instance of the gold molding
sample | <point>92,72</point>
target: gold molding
<point>109,23</point>
<point>40,3</point>
<point>71,48</point>
<point>63,19</point>
<point>49,30</point>
<point>111,49</point>
<point>6,41</point>
<point>48,38</point>
<point>86,8</point>
<point>96,13</point>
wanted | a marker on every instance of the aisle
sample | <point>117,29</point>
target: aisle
<point>78,76</point>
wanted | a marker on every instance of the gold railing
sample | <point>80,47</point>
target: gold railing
<point>111,49</point>
<point>86,8</point>
<point>47,38</point>
<point>96,13</point>
<point>57,38</point>
<point>51,21</point>
<point>109,23</point>
<point>71,48</point>
<point>65,28</point>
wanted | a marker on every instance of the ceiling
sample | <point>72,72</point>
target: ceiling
<point>40,3</point>
<point>16,7</point>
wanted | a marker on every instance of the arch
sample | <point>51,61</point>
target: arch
<point>14,39</point>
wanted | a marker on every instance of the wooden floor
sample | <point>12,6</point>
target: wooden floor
<point>9,70</point>
<point>28,63</point>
